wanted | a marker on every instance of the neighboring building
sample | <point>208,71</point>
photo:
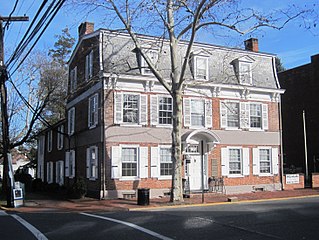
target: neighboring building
<point>302,87</point>
<point>119,118</point>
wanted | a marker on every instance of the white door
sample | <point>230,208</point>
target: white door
<point>195,173</point>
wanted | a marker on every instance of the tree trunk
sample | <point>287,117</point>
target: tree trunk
<point>177,188</point>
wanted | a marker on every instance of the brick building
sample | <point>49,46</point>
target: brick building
<point>302,86</point>
<point>119,118</point>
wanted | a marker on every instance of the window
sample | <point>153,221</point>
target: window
<point>245,74</point>
<point>130,108</point>
<point>166,161</point>
<point>165,110</point>
<point>235,161</point>
<point>229,114</point>
<point>92,163</point>
<point>89,66</point>
<point>49,136</point>
<point>265,160</point>
<point>129,162</point>
<point>73,79</point>
<point>197,113</point>
<point>59,177</point>
<point>71,121</point>
<point>70,164</point>
<point>60,137</point>
<point>93,111</point>
<point>255,116</point>
<point>153,56</point>
<point>49,172</point>
<point>201,67</point>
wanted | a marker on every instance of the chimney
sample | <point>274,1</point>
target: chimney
<point>251,44</point>
<point>85,28</point>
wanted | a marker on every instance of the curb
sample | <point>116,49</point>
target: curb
<point>221,203</point>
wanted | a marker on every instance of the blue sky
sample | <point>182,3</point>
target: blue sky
<point>294,45</point>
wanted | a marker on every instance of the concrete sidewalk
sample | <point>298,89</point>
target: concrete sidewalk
<point>36,202</point>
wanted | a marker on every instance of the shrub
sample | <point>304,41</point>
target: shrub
<point>78,189</point>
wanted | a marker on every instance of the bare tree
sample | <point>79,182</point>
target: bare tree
<point>181,20</point>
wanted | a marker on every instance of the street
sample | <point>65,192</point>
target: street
<point>284,219</point>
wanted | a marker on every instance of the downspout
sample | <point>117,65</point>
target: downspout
<point>280,125</point>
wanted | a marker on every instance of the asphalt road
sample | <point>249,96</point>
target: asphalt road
<point>284,219</point>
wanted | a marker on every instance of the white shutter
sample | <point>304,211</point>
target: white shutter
<point>118,108</point>
<point>246,166</point>
<point>143,164</point>
<point>244,115</point>
<point>57,172</point>
<point>187,112</point>
<point>223,114</point>
<point>96,161</point>
<point>256,164</point>
<point>61,173</point>
<point>143,109</point>
<point>265,116</point>
<point>208,114</point>
<point>275,160</point>
<point>155,165</point>
<point>95,103</point>
<point>116,156</point>
<point>73,163</point>
<point>88,157</point>
<point>67,163</point>
<point>225,161</point>
<point>154,110</point>
<point>91,64</point>
<point>86,67</point>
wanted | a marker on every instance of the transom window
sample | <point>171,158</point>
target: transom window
<point>130,108</point>
<point>265,160</point>
<point>235,161</point>
<point>165,110</point>
<point>166,161</point>
<point>197,113</point>
<point>129,162</point>
<point>255,116</point>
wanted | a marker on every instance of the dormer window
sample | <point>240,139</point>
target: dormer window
<point>244,70</point>
<point>199,66</point>
<point>152,54</point>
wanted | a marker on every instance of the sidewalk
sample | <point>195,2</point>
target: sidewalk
<point>36,202</point>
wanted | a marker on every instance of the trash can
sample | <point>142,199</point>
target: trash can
<point>143,196</point>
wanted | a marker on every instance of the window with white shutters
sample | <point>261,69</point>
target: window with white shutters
<point>265,161</point>
<point>93,111</point>
<point>235,161</point>
<point>197,113</point>
<point>71,120</point>
<point>92,162</point>
<point>130,108</point>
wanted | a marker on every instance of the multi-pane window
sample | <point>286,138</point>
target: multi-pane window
<point>197,113</point>
<point>255,116</point>
<point>201,66</point>
<point>60,137</point>
<point>129,162</point>
<point>153,56</point>
<point>265,160</point>
<point>89,66</point>
<point>71,120</point>
<point>232,109</point>
<point>130,108</point>
<point>59,176</point>
<point>166,161</point>
<point>245,74</point>
<point>73,79</point>
<point>49,140</point>
<point>49,172</point>
<point>165,110</point>
<point>93,111</point>
<point>235,161</point>
<point>91,162</point>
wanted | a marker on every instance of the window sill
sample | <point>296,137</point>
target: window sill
<point>265,175</point>
<point>168,177</point>
<point>235,176</point>
<point>93,126</point>
<point>129,178</point>
<point>92,179</point>
<point>232,129</point>
<point>256,130</point>
<point>130,125</point>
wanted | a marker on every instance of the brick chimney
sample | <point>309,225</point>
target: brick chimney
<point>251,44</point>
<point>85,28</point>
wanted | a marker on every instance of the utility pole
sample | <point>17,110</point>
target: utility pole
<point>7,181</point>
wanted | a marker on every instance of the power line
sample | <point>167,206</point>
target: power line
<point>6,26</point>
